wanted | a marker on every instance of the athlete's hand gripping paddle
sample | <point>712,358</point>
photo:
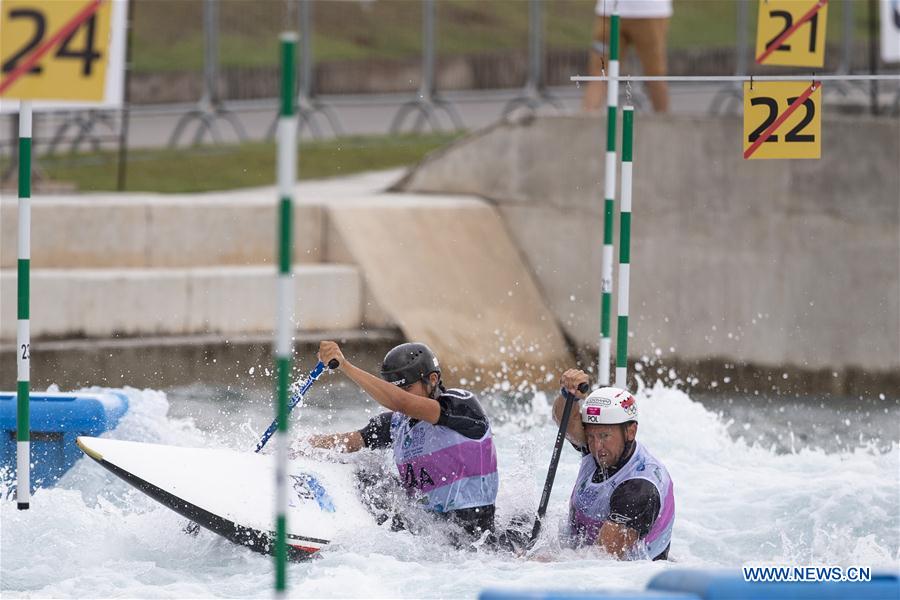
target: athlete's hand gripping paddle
<point>570,398</point>
<point>297,397</point>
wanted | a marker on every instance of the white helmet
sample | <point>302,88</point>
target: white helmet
<point>609,406</point>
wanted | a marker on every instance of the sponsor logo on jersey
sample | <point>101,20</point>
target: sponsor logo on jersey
<point>619,518</point>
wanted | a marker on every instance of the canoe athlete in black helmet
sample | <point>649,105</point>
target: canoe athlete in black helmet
<point>441,438</point>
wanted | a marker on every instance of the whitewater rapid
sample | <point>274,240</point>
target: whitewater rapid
<point>738,502</point>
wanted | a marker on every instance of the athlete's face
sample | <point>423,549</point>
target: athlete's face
<point>607,442</point>
<point>421,387</point>
<point>416,389</point>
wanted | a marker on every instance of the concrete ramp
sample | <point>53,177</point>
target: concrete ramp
<point>448,273</point>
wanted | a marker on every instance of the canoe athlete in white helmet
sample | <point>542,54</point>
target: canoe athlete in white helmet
<point>623,499</point>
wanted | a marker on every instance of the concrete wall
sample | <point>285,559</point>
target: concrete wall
<point>156,230</point>
<point>785,263</point>
<point>173,361</point>
<point>443,270</point>
<point>101,303</point>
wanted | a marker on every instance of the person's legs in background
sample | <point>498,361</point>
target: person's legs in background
<point>594,98</point>
<point>649,37</point>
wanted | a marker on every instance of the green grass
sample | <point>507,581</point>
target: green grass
<point>168,34</point>
<point>209,168</point>
<point>712,23</point>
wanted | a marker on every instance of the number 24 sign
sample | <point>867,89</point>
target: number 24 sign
<point>54,49</point>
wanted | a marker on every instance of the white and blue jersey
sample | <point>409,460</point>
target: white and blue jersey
<point>451,465</point>
<point>638,494</point>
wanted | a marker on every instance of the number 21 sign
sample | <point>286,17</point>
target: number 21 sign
<point>791,32</point>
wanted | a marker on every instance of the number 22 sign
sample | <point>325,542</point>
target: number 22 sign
<point>782,120</point>
<point>791,33</point>
<point>55,50</point>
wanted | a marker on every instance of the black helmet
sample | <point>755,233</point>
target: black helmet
<point>409,363</point>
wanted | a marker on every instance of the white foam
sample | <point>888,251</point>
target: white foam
<point>737,503</point>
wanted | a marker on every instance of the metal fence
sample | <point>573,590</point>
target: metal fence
<point>202,67</point>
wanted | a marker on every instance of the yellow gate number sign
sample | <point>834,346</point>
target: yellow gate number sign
<point>782,120</point>
<point>54,49</point>
<point>791,32</point>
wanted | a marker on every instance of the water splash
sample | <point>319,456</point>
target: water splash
<point>738,501</point>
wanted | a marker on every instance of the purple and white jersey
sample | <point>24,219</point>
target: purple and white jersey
<point>449,470</point>
<point>590,502</point>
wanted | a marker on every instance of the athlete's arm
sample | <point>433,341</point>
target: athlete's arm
<point>461,412</point>
<point>633,508</point>
<point>570,380</point>
<point>377,432</point>
<point>342,442</point>
<point>617,539</point>
<point>386,394</point>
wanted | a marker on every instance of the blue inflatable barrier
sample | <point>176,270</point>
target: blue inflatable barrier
<point>56,420</point>
<point>582,595</point>
<point>730,585</point>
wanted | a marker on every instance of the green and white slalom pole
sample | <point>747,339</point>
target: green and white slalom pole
<point>287,177</point>
<point>606,280</point>
<point>23,330</point>
<point>624,247</point>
